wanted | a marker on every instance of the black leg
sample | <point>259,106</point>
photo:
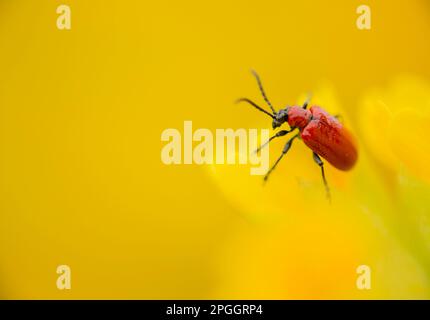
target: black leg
<point>319,162</point>
<point>278,134</point>
<point>308,99</point>
<point>338,117</point>
<point>284,151</point>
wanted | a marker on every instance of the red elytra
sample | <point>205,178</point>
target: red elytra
<point>325,135</point>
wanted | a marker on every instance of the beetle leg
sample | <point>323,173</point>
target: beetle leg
<point>338,117</point>
<point>308,99</point>
<point>284,151</point>
<point>319,162</point>
<point>278,134</point>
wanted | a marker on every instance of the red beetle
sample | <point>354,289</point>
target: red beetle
<point>320,131</point>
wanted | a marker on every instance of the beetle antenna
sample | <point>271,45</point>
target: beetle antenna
<point>260,85</point>
<point>255,106</point>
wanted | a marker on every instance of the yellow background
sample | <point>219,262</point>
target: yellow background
<point>82,111</point>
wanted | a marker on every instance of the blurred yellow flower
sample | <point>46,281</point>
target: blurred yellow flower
<point>394,126</point>
<point>296,245</point>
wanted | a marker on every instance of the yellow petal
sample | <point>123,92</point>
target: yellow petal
<point>408,137</point>
<point>374,120</point>
<point>316,257</point>
<point>382,121</point>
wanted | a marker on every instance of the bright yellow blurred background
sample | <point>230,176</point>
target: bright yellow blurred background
<point>82,184</point>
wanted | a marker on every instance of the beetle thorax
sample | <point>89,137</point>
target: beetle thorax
<point>298,117</point>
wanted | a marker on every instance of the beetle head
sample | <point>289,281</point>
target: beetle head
<point>280,118</point>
